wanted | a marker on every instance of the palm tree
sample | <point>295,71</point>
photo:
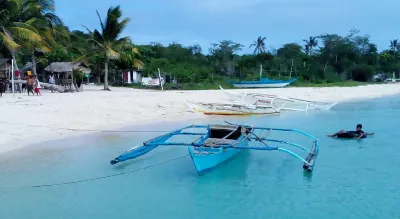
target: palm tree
<point>12,30</point>
<point>310,44</point>
<point>395,46</point>
<point>107,41</point>
<point>40,14</point>
<point>259,45</point>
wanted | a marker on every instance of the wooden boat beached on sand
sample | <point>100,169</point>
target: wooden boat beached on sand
<point>230,108</point>
<point>283,103</point>
<point>219,143</point>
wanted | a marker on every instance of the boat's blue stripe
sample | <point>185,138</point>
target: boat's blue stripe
<point>266,81</point>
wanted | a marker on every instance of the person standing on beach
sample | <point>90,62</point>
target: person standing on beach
<point>29,85</point>
<point>24,86</point>
<point>37,86</point>
<point>18,86</point>
<point>2,86</point>
<point>52,81</point>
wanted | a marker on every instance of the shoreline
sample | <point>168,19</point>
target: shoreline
<point>31,120</point>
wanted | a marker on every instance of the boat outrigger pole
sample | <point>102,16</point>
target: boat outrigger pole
<point>308,163</point>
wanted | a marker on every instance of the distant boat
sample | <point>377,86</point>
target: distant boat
<point>263,83</point>
<point>280,102</point>
<point>393,79</point>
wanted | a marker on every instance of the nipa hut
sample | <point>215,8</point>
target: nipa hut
<point>63,71</point>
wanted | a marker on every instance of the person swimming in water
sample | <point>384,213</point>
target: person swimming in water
<point>359,133</point>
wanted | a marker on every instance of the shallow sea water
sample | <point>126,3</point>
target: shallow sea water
<point>352,178</point>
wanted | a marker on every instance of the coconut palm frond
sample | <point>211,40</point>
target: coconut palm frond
<point>9,43</point>
<point>138,64</point>
<point>25,34</point>
<point>135,50</point>
<point>111,54</point>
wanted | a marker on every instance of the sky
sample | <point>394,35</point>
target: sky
<point>205,22</point>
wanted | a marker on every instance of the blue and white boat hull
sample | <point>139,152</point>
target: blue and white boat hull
<point>204,161</point>
<point>276,85</point>
<point>264,83</point>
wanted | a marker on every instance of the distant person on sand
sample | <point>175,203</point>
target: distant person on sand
<point>29,85</point>
<point>37,85</point>
<point>52,81</point>
<point>359,133</point>
<point>2,86</point>
<point>24,86</point>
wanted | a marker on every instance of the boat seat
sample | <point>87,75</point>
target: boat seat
<point>223,127</point>
<point>213,142</point>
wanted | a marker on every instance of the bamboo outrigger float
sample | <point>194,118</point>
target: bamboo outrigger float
<point>221,142</point>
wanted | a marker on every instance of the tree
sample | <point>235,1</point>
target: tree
<point>196,49</point>
<point>13,31</point>
<point>290,51</point>
<point>394,45</point>
<point>40,15</point>
<point>224,55</point>
<point>107,41</point>
<point>259,45</point>
<point>311,43</point>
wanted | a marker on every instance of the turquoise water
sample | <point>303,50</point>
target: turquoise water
<point>352,178</point>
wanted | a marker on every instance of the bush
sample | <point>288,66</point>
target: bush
<point>362,73</point>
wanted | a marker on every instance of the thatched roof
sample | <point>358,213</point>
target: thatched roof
<point>61,67</point>
<point>2,61</point>
<point>85,70</point>
<point>28,66</point>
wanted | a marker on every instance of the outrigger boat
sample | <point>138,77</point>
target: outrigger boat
<point>219,143</point>
<point>283,103</point>
<point>230,108</point>
<point>263,83</point>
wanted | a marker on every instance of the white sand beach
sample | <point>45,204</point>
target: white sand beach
<point>97,109</point>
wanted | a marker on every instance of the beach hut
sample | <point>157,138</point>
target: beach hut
<point>63,71</point>
<point>132,77</point>
<point>5,68</point>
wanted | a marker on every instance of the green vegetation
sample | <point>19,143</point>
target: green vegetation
<point>31,31</point>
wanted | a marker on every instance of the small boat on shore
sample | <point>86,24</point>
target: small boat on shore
<point>263,83</point>
<point>283,103</point>
<point>230,108</point>
<point>218,143</point>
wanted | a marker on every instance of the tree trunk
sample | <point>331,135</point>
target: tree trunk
<point>15,62</point>
<point>326,65</point>
<point>98,80</point>
<point>19,85</point>
<point>106,75</point>
<point>58,88</point>
<point>73,81</point>
<point>394,58</point>
<point>33,59</point>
